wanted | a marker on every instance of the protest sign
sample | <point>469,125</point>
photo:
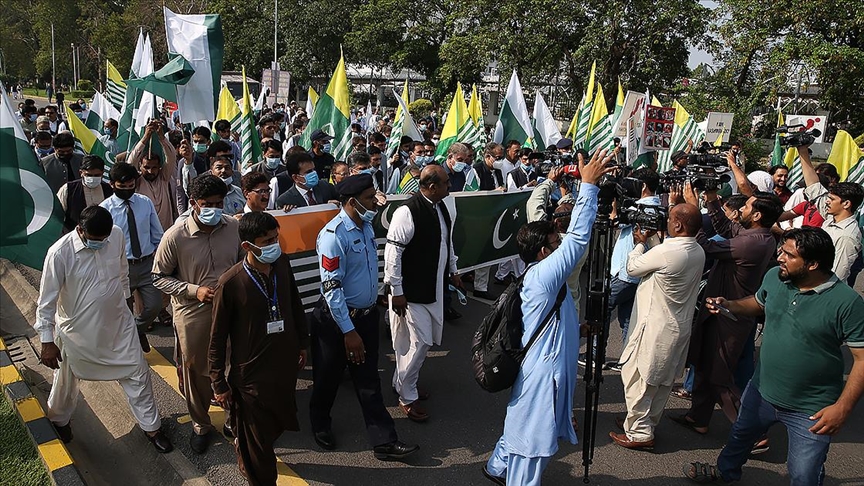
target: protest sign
<point>718,124</point>
<point>657,132</point>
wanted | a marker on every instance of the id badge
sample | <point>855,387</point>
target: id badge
<point>275,326</point>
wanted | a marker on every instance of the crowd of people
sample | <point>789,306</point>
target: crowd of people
<point>177,231</point>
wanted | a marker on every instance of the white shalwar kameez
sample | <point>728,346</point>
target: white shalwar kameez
<point>83,296</point>
<point>423,324</point>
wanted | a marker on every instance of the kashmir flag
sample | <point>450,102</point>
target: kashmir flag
<point>228,110</point>
<point>685,129</point>
<point>115,87</point>
<point>199,39</point>
<point>333,114</point>
<point>619,105</point>
<point>514,123</point>
<point>456,126</point>
<point>583,126</point>
<point>32,217</point>
<point>600,128</point>
<point>311,101</point>
<point>477,130</point>
<point>88,141</point>
<point>408,184</point>
<point>777,153</point>
<point>101,110</point>
<point>250,145</point>
<point>571,130</point>
<point>545,127</point>
<point>396,132</point>
<point>847,157</point>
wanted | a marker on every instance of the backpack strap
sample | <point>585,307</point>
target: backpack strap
<point>554,310</point>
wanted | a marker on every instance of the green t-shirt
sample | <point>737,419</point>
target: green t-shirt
<point>800,363</point>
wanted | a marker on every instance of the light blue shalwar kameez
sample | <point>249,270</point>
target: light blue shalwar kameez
<point>541,403</point>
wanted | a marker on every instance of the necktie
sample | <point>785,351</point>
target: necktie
<point>310,198</point>
<point>133,230</point>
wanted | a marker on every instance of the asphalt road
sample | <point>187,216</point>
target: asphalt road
<point>466,422</point>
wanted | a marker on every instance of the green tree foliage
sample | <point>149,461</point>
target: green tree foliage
<point>420,108</point>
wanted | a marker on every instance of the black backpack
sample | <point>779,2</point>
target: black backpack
<point>496,348</point>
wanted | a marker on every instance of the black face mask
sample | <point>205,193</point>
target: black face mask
<point>124,194</point>
<point>65,157</point>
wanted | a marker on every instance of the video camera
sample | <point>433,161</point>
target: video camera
<point>552,159</point>
<point>648,217</point>
<point>701,177</point>
<point>797,138</point>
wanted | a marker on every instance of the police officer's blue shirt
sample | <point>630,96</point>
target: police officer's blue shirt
<point>348,262</point>
<point>625,245</point>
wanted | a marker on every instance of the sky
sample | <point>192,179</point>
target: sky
<point>697,56</point>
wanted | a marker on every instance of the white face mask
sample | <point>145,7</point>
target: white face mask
<point>92,181</point>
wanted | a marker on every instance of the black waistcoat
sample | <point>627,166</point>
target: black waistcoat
<point>420,259</point>
<point>75,202</point>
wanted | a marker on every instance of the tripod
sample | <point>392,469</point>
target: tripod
<point>597,318</point>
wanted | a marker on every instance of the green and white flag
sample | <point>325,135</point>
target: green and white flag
<point>199,39</point>
<point>472,182</point>
<point>477,137</point>
<point>514,123</point>
<point>101,110</point>
<point>456,127</point>
<point>583,125</point>
<point>250,145</point>
<point>32,217</point>
<point>545,127</point>
<point>115,88</point>
<point>89,142</point>
<point>398,122</point>
<point>333,114</point>
<point>600,134</point>
<point>685,129</point>
<point>127,137</point>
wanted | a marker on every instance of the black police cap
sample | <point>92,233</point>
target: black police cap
<point>354,185</point>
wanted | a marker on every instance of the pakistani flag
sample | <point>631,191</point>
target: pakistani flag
<point>228,110</point>
<point>333,114</point>
<point>685,129</point>
<point>407,126</point>
<point>311,101</point>
<point>513,121</point>
<point>259,103</point>
<point>398,122</point>
<point>456,126</point>
<point>600,133</point>
<point>89,142</point>
<point>477,135</point>
<point>545,127</point>
<point>32,216</point>
<point>115,87</point>
<point>199,39</point>
<point>777,153</point>
<point>146,107</point>
<point>583,125</point>
<point>101,110</point>
<point>250,145</point>
<point>127,137</point>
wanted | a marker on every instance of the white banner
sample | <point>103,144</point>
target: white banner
<point>633,105</point>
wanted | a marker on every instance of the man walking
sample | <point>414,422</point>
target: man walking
<point>257,308</point>
<point>86,326</point>
<point>664,305</point>
<point>418,262</point>
<point>345,321</point>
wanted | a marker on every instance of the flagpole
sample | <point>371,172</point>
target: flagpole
<point>53,65</point>
<point>275,28</point>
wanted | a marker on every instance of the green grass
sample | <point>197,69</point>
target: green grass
<point>20,463</point>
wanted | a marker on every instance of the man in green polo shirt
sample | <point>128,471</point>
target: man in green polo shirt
<point>809,314</point>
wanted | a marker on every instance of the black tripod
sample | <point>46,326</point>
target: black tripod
<point>597,318</point>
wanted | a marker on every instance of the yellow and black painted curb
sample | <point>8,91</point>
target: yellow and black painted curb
<point>54,454</point>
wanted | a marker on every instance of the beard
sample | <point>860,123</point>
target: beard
<point>150,177</point>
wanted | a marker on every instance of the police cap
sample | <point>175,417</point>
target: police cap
<point>354,185</point>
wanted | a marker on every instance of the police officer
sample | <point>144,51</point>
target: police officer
<point>345,322</point>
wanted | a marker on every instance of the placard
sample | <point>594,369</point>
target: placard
<point>634,103</point>
<point>657,133</point>
<point>718,124</point>
<point>810,122</point>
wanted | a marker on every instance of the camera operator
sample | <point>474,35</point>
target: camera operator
<point>622,286</point>
<point>719,340</point>
<point>798,208</point>
<point>540,408</point>
<point>837,204</point>
<point>665,303</point>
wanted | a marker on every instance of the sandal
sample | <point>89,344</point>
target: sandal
<point>682,419</point>
<point>760,447</point>
<point>701,472</point>
<point>682,393</point>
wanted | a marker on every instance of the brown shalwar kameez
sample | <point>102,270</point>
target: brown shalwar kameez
<point>263,372</point>
<point>740,263</point>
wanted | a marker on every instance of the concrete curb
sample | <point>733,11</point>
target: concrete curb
<point>55,456</point>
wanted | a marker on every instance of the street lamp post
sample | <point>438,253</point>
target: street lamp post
<point>74,71</point>
<point>53,63</point>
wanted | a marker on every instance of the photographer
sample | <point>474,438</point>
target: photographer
<point>718,340</point>
<point>622,286</point>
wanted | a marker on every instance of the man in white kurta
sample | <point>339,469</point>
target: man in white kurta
<point>420,325</point>
<point>661,322</point>
<point>86,327</point>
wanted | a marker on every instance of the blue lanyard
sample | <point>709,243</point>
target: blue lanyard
<point>272,300</point>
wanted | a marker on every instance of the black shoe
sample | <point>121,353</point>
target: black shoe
<point>64,432</point>
<point>502,281</point>
<point>160,442</point>
<point>483,294</point>
<point>227,432</point>
<point>450,314</point>
<point>613,366</point>
<point>325,440</point>
<point>495,479</point>
<point>395,450</point>
<point>199,443</point>
<point>145,344</point>
<point>582,360</point>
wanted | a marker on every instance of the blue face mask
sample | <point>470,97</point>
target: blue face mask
<point>326,148</point>
<point>272,162</point>
<point>368,215</point>
<point>311,179</point>
<point>367,171</point>
<point>199,147</point>
<point>210,216</point>
<point>269,253</point>
<point>106,131</point>
<point>45,152</point>
<point>95,244</point>
<point>526,167</point>
<point>459,166</point>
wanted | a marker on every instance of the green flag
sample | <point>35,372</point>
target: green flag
<point>250,145</point>
<point>514,123</point>
<point>164,82</point>
<point>333,114</point>
<point>32,216</point>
